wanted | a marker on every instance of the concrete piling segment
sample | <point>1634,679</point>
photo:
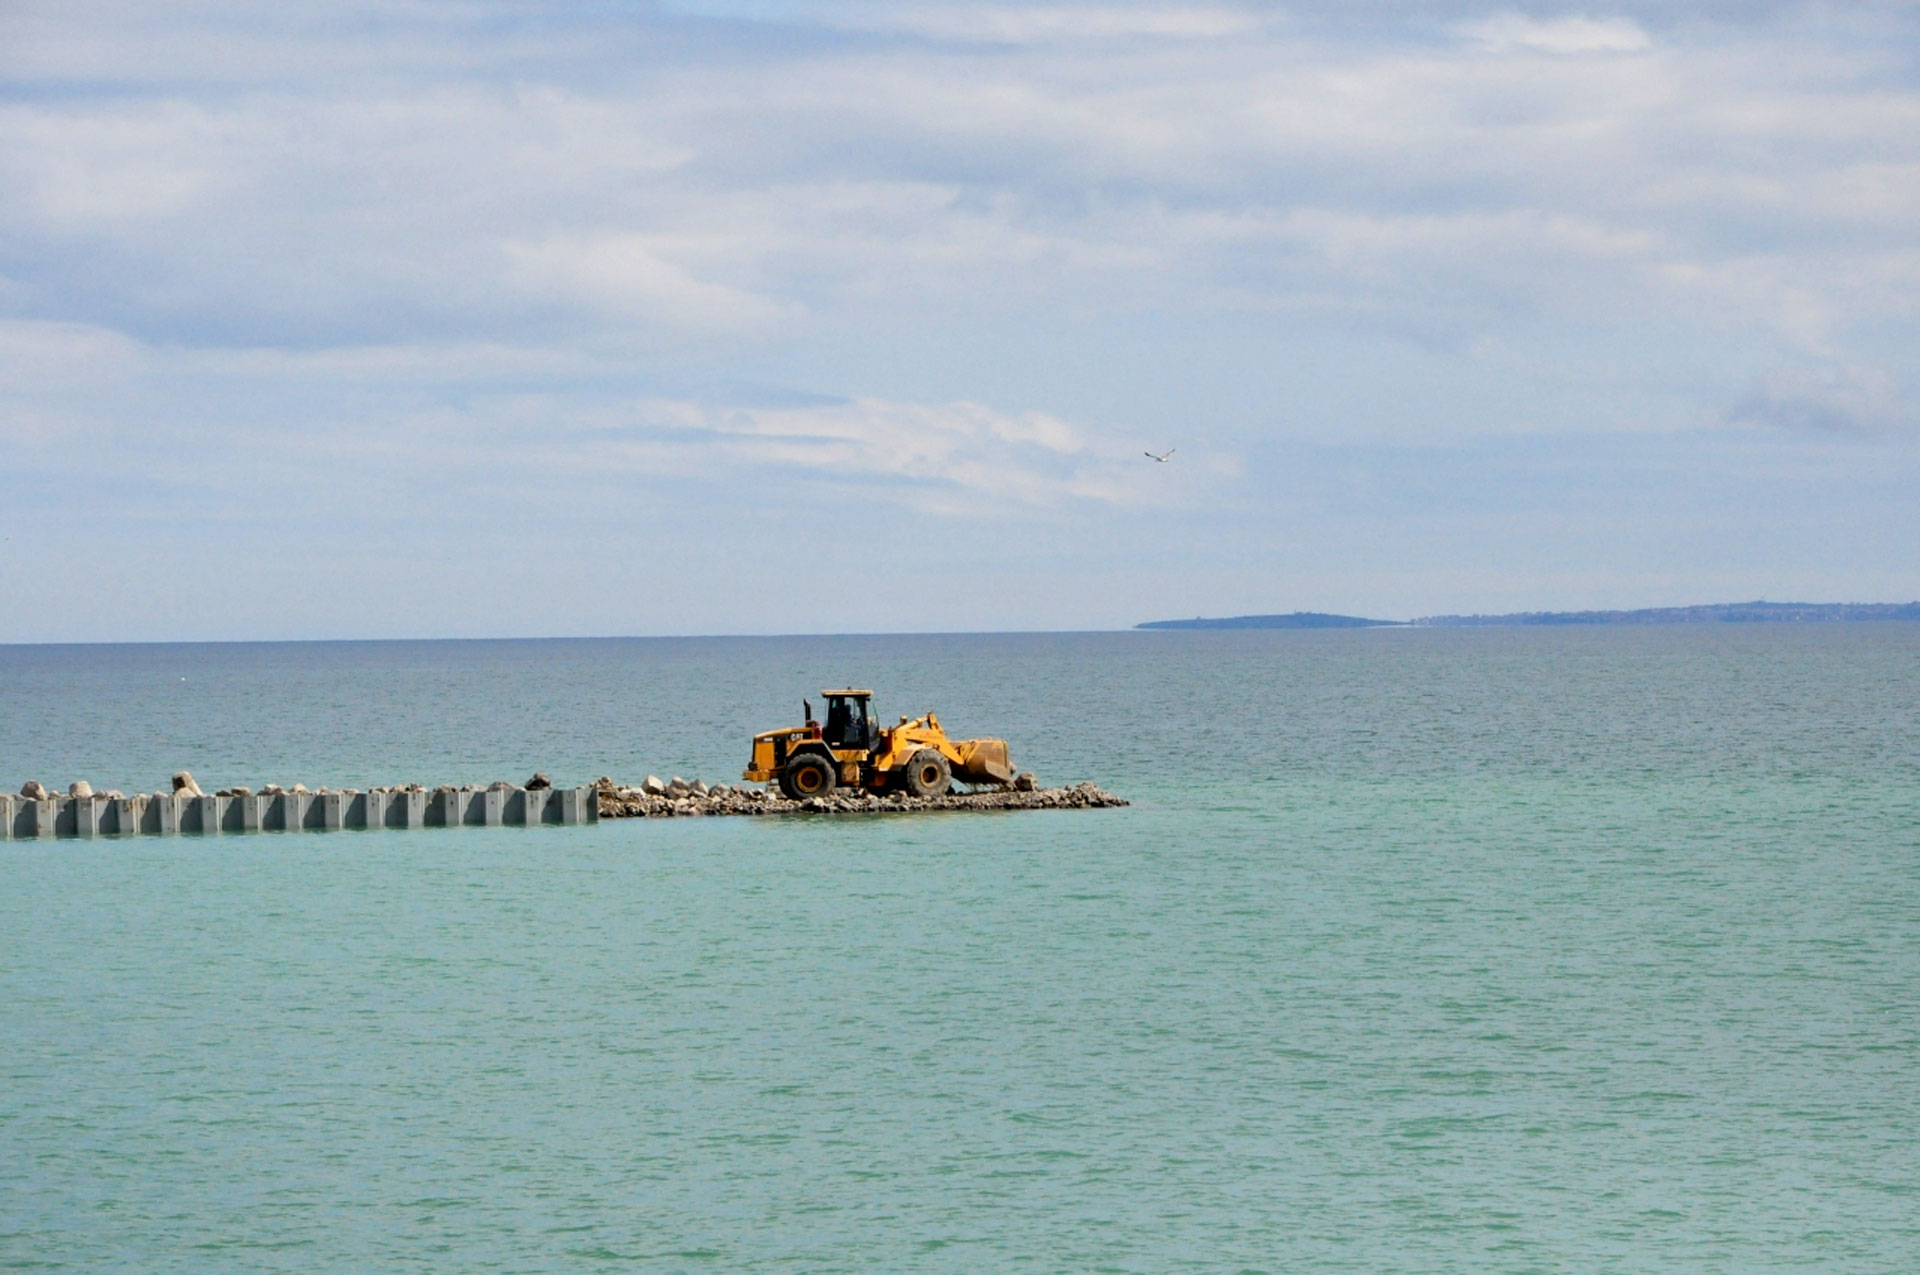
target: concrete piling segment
<point>168,814</point>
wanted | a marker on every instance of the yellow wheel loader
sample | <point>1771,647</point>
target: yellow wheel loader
<point>853,751</point>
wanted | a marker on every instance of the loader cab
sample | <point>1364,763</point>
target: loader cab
<point>850,721</point>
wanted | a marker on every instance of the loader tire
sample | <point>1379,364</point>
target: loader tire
<point>808,775</point>
<point>927,774</point>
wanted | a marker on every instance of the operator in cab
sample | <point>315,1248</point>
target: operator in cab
<point>846,724</point>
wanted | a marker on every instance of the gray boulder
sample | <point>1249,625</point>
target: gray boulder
<point>34,790</point>
<point>79,788</point>
<point>183,784</point>
<point>538,782</point>
<point>652,786</point>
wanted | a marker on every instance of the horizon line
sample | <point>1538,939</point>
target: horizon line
<point>1169,625</point>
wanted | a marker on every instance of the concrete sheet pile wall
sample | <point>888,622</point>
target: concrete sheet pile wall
<point>22,817</point>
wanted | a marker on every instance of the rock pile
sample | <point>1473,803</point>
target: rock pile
<point>78,790</point>
<point>652,799</point>
<point>185,786</point>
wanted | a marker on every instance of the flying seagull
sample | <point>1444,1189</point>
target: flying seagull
<point>1162,457</point>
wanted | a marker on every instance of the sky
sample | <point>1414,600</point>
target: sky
<point>466,319</point>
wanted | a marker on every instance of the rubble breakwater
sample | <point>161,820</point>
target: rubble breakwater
<point>655,799</point>
<point>81,812</point>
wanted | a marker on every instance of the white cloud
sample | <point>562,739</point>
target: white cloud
<point>955,460</point>
<point>40,354</point>
<point>111,165</point>
<point>1516,32</point>
<point>1760,291</point>
<point>629,278</point>
<point>1034,24</point>
<point>1856,400</point>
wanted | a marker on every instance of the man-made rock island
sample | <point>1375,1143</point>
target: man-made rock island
<point>654,799</point>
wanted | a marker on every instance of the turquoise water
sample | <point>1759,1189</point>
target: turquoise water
<point>1503,950</point>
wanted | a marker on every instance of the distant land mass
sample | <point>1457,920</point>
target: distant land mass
<point>1713,613</point>
<point>1293,620</point>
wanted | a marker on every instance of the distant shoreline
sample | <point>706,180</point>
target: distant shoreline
<point>1712,613</point>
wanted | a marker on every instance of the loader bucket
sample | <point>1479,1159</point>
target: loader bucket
<point>983,761</point>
